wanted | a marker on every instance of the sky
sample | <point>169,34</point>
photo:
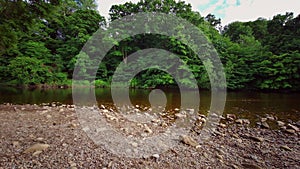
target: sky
<point>228,10</point>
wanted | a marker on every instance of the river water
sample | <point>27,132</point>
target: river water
<point>251,105</point>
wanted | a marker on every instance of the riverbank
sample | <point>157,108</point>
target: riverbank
<point>48,136</point>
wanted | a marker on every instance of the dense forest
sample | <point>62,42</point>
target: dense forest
<point>40,42</point>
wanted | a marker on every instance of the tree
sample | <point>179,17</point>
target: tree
<point>28,70</point>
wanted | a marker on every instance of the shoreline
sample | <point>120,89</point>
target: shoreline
<point>63,144</point>
<point>70,86</point>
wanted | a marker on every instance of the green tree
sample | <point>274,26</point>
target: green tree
<point>28,70</point>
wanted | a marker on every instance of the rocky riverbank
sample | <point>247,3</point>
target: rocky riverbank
<point>50,136</point>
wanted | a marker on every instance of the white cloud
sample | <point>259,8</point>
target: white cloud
<point>229,12</point>
<point>104,5</point>
<point>250,10</point>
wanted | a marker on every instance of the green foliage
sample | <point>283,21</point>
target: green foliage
<point>40,43</point>
<point>28,70</point>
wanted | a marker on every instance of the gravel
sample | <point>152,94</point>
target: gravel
<point>66,145</point>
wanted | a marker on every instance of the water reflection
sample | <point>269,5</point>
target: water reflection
<point>245,104</point>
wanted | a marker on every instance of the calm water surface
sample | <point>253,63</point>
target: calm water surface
<point>251,105</point>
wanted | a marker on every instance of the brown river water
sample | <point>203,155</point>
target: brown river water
<point>250,105</point>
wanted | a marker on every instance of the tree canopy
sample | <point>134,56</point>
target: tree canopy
<point>40,42</point>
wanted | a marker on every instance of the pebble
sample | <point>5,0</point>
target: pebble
<point>36,147</point>
<point>105,111</point>
<point>285,147</point>
<point>242,121</point>
<point>189,141</point>
<point>230,116</point>
<point>16,144</point>
<point>134,144</point>
<point>263,120</point>
<point>147,129</point>
<point>222,125</point>
<point>156,156</point>
<point>48,116</point>
<point>234,166</point>
<point>72,164</point>
<point>37,153</point>
<point>280,123</point>
<point>219,156</point>
<point>298,123</point>
<point>202,120</point>
<point>179,115</point>
<point>293,127</point>
<point>40,139</point>
<point>265,125</point>
<point>271,118</point>
<point>290,131</point>
<point>258,139</point>
<point>252,166</point>
<point>239,140</point>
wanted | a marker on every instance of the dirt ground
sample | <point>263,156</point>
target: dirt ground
<point>35,136</point>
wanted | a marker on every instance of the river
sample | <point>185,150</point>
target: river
<point>250,105</point>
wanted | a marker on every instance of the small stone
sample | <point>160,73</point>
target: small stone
<point>61,110</point>
<point>290,131</point>
<point>179,115</point>
<point>72,164</point>
<point>191,111</point>
<point>73,125</point>
<point>219,156</point>
<point>40,139</point>
<point>219,133</point>
<point>252,166</point>
<point>202,119</point>
<point>280,123</point>
<point>105,111</point>
<point>234,166</point>
<point>134,144</point>
<point>36,147</point>
<point>239,121</point>
<point>48,116</point>
<point>285,147</point>
<point>147,129</point>
<point>271,118</point>
<point>176,109</point>
<point>222,125</point>
<point>155,120</point>
<point>293,127</point>
<point>230,117</point>
<point>298,123</point>
<point>258,139</point>
<point>242,121</point>
<point>246,121</point>
<point>37,153</point>
<point>156,156</point>
<point>164,124</point>
<point>189,141</point>
<point>263,120</point>
<point>265,125</point>
<point>15,144</point>
<point>239,140</point>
